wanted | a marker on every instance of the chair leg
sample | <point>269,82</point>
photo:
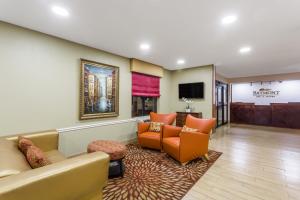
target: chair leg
<point>184,164</point>
<point>205,157</point>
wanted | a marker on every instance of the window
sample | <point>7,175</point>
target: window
<point>142,106</point>
<point>145,91</point>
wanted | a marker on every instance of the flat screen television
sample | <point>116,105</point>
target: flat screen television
<point>191,90</point>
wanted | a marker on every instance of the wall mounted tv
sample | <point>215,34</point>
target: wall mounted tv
<point>191,90</point>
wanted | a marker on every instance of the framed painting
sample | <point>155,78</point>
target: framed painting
<point>99,90</point>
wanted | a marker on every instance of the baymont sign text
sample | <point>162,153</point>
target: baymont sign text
<point>264,92</point>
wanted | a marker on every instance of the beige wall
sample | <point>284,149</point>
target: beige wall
<point>39,84</point>
<point>197,74</point>
<point>165,88</point>
<point>40,80</point>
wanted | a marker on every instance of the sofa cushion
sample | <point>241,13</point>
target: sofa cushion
<point>12,161</point>
<point>24,144</point>
<point>55,156</point>
<point>36,157</point>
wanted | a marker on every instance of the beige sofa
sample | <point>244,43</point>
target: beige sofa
<point>77,178</point>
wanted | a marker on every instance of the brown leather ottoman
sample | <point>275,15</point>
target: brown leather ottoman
<point>115,150</point>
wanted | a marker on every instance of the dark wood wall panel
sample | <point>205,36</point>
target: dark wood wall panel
<point>262,115</point>
<point>286,115</point>
<point>242,113</point>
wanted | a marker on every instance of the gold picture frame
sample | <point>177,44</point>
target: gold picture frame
<point>99,90</point>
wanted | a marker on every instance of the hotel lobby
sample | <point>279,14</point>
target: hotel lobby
<point>149,100</point>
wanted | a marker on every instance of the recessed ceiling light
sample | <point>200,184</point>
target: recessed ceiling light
<point>60,11</point>
<point>229,19</point>
<point>180,62</point>
<point>145,46</point>
<point>245,50</point>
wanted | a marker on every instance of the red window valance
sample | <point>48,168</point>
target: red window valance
<point>145,85</point>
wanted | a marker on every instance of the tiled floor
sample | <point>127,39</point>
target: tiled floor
<point>257,163</point>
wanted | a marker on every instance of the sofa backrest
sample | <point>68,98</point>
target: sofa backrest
<point>46,140</point>
<point>12,160</point>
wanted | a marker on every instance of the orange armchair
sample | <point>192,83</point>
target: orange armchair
<point>153,139</point>
<point>187,146</point>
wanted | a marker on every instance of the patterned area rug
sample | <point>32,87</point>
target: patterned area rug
<point>153,175</point>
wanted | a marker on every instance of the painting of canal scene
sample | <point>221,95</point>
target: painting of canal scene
<point>99,90</point>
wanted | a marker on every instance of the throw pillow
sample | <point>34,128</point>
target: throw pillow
<point>36,157</point>
<point>155,126</point>
<point>24,144</point>
<point>188,129</point>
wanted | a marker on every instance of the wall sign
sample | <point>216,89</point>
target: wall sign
<point>265,93</point>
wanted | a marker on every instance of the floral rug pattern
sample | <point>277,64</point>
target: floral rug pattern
<point>153,175</point>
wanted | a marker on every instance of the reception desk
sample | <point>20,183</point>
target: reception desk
<point>285,115</point>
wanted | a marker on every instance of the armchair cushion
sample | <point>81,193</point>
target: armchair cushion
<point>155,126</point>
<point>150,139</point>
<point>163,118</point>
<point>150,135</point>
<point>171,145</point>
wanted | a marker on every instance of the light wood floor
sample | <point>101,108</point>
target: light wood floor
<point>257,163</point>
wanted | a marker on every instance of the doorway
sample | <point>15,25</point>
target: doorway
<point>222,103</point>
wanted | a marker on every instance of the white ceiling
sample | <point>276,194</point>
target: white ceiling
<point>189,29</point>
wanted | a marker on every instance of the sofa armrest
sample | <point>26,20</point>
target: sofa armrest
<point>46,140</point>
<point>81,177</point>
<point>171,131</point>
<point>143,127</point>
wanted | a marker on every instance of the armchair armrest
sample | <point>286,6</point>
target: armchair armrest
<point>81,177</point>
<point>143,127</point>
<point>193,143</point>
<point>171,131</point>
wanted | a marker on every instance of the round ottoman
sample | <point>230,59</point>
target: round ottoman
<point>115,150</point>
